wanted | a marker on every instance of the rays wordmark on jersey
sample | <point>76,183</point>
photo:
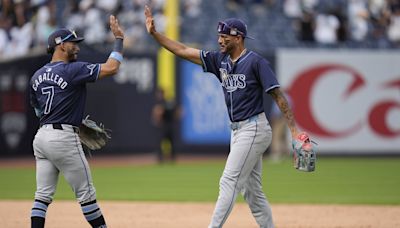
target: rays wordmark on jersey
<point>232,82</point>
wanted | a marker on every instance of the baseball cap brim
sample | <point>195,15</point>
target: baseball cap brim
<point>77,39</point>
<point>250,37</point>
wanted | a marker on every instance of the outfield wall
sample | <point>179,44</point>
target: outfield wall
<point>349,101</point>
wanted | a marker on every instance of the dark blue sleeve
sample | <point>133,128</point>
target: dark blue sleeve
<point>84,72</point>
<point>210,61</point>
<point>266,75</point>
<point>34,102</point>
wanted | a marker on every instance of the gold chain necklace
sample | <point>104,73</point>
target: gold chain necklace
<point>241,54</point>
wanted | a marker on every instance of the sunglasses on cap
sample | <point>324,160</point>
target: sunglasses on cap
<point>59,40</point>
<point>226,29</point>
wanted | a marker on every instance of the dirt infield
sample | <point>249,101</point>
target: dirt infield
<point>63,214</point>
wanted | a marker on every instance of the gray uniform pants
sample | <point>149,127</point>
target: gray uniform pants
<point>249,140</point>
<point>61,151</point>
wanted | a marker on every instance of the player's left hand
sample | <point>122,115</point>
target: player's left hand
<point>304,153</point>
<point>151,28</point>
<point>116,28</point>
<point>92,135</point>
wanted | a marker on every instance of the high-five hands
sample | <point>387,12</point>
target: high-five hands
<point>116,28</point>
<point>151,28</point>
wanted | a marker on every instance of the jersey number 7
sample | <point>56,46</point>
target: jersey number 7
<point>49,91</point>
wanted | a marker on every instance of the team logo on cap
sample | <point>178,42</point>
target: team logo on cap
<point>58,40</point>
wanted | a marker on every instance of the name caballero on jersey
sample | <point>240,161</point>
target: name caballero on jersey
<point>47,76</point>
<point>232,82</point>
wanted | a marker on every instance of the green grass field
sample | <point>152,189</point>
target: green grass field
<point>336,181</point>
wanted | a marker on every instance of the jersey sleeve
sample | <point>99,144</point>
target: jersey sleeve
<point>266,75</point>
<point>34,103</point>
<point>209,60</point>
<point>84,72</point>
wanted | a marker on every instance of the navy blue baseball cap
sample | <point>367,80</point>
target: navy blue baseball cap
<point>62,35</point>
<point>233,27</point>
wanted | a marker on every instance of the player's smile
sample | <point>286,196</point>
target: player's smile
<point>223,41</point>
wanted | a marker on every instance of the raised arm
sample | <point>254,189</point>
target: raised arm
<point>111,67</point>
<point>179,49</point>
<point>283,105</point>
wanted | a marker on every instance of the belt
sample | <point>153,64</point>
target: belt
<point>59,126</point>
<point>239,124</point>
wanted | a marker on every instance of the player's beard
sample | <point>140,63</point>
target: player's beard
<point>229,47</point>
<point>72,55</point>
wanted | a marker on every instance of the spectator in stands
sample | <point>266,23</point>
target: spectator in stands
<point>59,9</point>
<point>235,5</point>
<point>310,5</point>
<point>44,22</point>
<point>21,32</point>
<point>326,27</point>
<point>75,17</point>
<point>379,17</point>
<point>94,29</point>
<point>393,31</point>
<point>306,27</point>
<point>131,18</point>
<point>358,19</point>
<point>5,25</point>
<point>261,7</point>
<point>292,8</point>
<point>192,8</point>
<point>340,13</point>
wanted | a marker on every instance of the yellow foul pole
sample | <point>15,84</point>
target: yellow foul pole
<point>166,60</point>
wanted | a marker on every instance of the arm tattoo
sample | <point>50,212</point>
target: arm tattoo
<point>283,105</point>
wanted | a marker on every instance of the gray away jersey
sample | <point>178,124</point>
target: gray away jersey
<point>58,91</point>
<point>243,83</point>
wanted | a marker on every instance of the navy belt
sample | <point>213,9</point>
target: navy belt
<point>239,124</point>
<point>59,126</point>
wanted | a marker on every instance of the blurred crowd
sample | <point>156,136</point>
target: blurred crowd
<point>26,24</point>
<point>330,22</point>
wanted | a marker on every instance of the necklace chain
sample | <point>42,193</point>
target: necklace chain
<point>241,54</point>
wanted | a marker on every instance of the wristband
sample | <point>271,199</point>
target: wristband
<point>118,44</point>
<point>117,56</point>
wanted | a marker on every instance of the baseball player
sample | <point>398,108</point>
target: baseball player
<point>58,96</point>
<point>244,76</point>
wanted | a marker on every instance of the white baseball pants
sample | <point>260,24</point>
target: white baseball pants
<point>249,140</point>
<point>61,151</point>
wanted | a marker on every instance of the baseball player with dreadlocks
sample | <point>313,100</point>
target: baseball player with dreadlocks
<point>245,76</point>
<point>58,95</point>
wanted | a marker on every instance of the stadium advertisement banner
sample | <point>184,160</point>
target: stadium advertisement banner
<point>204,120</point>
<point>349,101</point>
